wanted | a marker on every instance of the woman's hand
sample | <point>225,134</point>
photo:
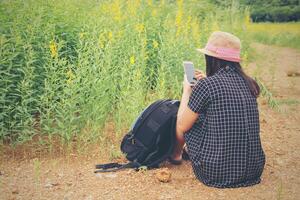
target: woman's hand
<point>187,87</point>
<point>199,74</point>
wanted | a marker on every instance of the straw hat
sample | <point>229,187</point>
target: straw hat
<point>224,46</point>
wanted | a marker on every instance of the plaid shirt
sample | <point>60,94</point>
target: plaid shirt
<point>224,143</point>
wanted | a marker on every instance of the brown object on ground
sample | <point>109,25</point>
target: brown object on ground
<point>163,175</point>
<point>280,136</point>
<point>15,191</point>
<point>293,73</point>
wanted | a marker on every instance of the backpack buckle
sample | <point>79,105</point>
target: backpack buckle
<point>133,141</point>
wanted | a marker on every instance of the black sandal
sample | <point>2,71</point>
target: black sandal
<point>174,162</point>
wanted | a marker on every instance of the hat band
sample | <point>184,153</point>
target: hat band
<point>225,53</point>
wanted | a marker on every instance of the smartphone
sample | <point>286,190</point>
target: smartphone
<point>190,72</point>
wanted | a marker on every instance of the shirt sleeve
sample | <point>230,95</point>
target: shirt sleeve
<point>200,96</point>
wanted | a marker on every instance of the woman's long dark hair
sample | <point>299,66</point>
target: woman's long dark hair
<point>214,64</point>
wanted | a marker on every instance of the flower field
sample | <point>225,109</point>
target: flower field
<point>69,67</point>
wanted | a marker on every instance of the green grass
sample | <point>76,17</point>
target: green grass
<point>266,93</point>
<point>289,102</point>
<point>281,34</point>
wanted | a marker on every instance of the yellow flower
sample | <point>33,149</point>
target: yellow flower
<point>189,20</point>
<point>196,31</point>
<point>215,26</point>
<point>247,20</point>
<point>101,44</point>
<point>81,35</point>
<point>101,41</point>
<point>178,18</point>
<point>133,6</point>
<point>132,60</point>
<point>140,28</point>
<point>179,14</point>
<point>69,81</point>
<point>70,76</point>
<point>53,49</point>
<point>149,2</point>
<point>154,12</point>
<point>155,44</point>
<point>116,11</point>
<point>110,35</point>
<point>162,3</point>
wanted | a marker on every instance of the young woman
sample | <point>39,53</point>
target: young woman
<point>218,119</point>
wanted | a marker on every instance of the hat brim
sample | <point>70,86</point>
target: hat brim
<point>207,52</point>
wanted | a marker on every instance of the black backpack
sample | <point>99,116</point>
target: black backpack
<point>151,138</point>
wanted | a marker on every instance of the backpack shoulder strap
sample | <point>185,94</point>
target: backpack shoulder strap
<point>146,112</point>
<point>113,167</point>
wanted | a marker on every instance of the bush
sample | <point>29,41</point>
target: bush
<point>280,14</point>
<point>295,14</point>
<point>276,14</point>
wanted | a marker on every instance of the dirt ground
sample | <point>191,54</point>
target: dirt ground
<point>72,177</point>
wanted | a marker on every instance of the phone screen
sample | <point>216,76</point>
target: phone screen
<point>189,71</point>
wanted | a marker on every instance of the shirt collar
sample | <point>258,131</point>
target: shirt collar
<point>226,69</point>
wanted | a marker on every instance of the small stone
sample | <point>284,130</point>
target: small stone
<point>57,188</point>
<point>55,184</point>
<point>111,175</point>
<point>90,197</point>
<point>99,175</point>
<point>15,191</point>
<point>48,185</point>
<point>263,121</point>
<point>69,183</point>
<point>163,175</point>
